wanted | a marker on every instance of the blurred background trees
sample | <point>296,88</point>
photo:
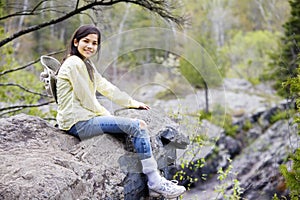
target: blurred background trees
<point>286,60</point>
<point>30,29</point>
<point>242,37</point>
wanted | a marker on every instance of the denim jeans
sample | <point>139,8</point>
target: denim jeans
<point>115,125</point>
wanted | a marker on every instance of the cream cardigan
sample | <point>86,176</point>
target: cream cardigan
<point>76,94</point>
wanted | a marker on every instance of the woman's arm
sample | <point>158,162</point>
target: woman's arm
<point>109,90</point>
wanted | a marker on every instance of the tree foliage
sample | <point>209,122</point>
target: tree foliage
<point>246,55</point>
<point>31,28</point>
<point>238,34</point>
<point>223,28</point>
<point>292,174</point>
<point>162,7</point>
<point>285,61</point>
<point>17,85</point>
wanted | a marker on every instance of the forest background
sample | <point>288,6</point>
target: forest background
<point>238,35</point>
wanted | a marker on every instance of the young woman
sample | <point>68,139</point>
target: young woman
<point>80,114</point>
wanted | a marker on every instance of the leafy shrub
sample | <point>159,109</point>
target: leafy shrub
<point>247,125</point>
<point>282,115</point>
<point>218,118</point>
<point>18,86</point>
<point>292,176</point>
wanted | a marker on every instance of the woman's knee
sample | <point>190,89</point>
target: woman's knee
<point>143,124</point>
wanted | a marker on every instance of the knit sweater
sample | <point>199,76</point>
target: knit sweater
<point>76,94</point>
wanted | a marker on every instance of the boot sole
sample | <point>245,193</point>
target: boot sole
<point>152,193</point>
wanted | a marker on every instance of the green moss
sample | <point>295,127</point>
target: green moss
<point>230,129</point>
<point>221,120</point>
<point>282,115</point>
<point>247,125</point>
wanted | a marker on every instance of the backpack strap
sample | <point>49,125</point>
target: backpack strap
<point>51,67</point>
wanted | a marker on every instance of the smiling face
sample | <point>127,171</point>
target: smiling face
<point>87,46</point>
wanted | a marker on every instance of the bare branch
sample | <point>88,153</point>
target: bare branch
<point>19,107</point>
<point>28,65</point>
<point>37,5</point>
<point>161,7</point>
<point>19,68</point>
<point>158,6</point>
<point>45,24</point>
<point>77,4</point>
<point>10,111</point>
<point>13,109</point>
<point>23,88</point>
<point>23,12</point>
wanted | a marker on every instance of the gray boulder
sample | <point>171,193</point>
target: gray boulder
<point>257,167</point>
<point>42,162</point>
<point>39,161</point>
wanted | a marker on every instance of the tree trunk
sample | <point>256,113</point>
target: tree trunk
<point>20,25</point>
<point>118,42</point>
<point>206,98</point>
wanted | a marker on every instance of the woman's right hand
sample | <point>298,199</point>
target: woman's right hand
<point>144,106</point>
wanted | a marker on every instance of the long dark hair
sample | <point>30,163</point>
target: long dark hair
<point>80,33</point>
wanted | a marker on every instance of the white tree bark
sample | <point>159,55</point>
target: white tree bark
<point>264,14</point>
<point>221,18</point>
<point>118,42</point>
<point>21,21</point>
<point>20,25</point>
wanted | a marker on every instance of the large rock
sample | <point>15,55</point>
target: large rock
<point>257,167</point>
<point>42,162</point>
<point>38,161</point>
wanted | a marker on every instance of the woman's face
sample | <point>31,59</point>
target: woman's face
<point>87,46</point>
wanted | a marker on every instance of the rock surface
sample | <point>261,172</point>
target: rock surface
<point>38,161</point>
<point>42,162</point>
<point>257,167</point>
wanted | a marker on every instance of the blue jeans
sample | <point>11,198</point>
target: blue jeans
<point>115,125</point>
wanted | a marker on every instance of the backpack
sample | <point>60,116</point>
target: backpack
<point>48,76</point>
